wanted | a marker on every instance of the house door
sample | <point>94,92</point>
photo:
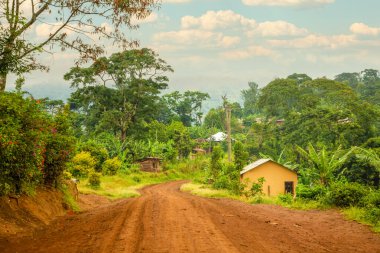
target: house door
<point>289,187</point>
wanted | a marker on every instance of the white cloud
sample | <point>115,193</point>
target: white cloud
<point>44,29</point>
<point>197,37</point>
<point>212,20</point>
<point>287,2</point>
<point>277,28</point>
<point>314,40</point>
<point>363,29</point>
<point>249,52</point>
<point>149,19</point>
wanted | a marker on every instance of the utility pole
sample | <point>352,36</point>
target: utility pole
<point>228,110</point>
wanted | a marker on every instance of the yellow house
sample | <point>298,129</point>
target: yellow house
<point>278,178</point>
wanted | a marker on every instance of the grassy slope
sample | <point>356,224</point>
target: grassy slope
<point>126,186</point>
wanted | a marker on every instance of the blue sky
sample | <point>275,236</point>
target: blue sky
<point>218,46</point>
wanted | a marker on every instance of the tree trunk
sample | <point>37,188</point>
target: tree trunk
<point>3,82</point>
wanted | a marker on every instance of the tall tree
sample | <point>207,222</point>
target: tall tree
<point>299,78</point>
<point>71,25</point>
<point>136,77</point>
<point>186,107</point>
<point>250,98</point>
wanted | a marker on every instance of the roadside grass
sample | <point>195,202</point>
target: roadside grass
<point>206,191</point>
<point>127,185</point>
<point>362,216</point>
<point>68,198</point>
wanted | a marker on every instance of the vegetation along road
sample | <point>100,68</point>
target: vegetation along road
<point>167,220</point>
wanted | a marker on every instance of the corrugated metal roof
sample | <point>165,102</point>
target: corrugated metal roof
<point>260,162</point>
<point>254,165</point>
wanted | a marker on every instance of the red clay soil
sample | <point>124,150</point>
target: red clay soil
<point>167,220</point>
<point>25,213</point>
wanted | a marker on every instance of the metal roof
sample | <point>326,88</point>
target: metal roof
<point>260,162</point>
<point>254,165</point>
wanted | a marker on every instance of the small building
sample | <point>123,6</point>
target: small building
<point>150,164</point>
<point>197,152</point>
<point>278,178</point>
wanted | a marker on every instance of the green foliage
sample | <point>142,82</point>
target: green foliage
<point>34,146</point>
<point>250,98</point>
<point>285,198</point>
<point>241,155</point>
<point>256,188</point>
<point>94,179</point>
<point>83,164</point>
<point>97,151</point>
<point>136,76</point>
<point>347,194</point>
<point>372,200</point>
<point>216,161</point>
<point>324,163</point>
<point>314,192</point>
<point>111,166</point>
<point>186,107</point>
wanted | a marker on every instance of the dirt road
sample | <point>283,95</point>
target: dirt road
<point>167,220</point>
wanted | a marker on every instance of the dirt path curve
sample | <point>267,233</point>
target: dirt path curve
<point>167,220</point>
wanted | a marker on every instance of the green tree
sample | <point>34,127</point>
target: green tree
<point>82,19</point>
<point>324,164</point>
<point>250,98</point>
<point>186,107</point>
<point>216,164</point>
<point>241,156</point>
<point>351,79</point>
<point>299,78</point>
<point>279,97</point>
<point>137,77</point>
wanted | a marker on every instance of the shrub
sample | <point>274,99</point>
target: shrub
<point>59,147</point>
<point>83,164</point>
<point>372,199</point>
<point>94,179</point>
<point>97,150</point>
<point>256,188</point>
<point>285,198</point>
<point>373,215</point>
<point>34,146</point>
<point>136,179</point>
<point>310,192</point>
<point>347,194</point>
<point>221,182</point>
<point>111,166</point>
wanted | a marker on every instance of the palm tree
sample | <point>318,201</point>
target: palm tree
<point>324,163</point>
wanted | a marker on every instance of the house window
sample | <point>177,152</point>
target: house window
<point>289,187</point>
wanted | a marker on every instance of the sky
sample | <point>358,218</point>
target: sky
<point>218,46</point>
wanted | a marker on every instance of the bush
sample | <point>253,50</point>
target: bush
<point>221,182</point>
<point>111,166</point>
<point>310,192</point>
<point>256,188</point>
<point>373,216</point>
<point>347,194</point>
<point>372,199</point>
<point>83,164</point>
<point>285,198</point>
<point>136,179</point>
<point>34,146</point>
<point>97,150</point>
<point>94,179</point>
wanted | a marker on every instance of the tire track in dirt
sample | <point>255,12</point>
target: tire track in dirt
<point>164,219</point>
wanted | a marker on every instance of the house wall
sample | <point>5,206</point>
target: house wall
<point>148,166</point>
<point>275,177</point>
